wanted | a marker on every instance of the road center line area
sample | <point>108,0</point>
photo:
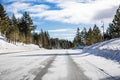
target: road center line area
<point>64,68</point>
<point>75,72</point>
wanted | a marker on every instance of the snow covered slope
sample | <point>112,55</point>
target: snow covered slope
<point>109,49</point>
<point>8,47</point>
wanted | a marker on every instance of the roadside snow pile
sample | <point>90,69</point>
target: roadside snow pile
<point>2,38</point>
<point>8,47</point>
<point>4,44</point>
<point>109,49</point>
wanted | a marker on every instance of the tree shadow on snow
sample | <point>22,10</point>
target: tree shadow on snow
<point>108,54</point>
<point>112,78</point>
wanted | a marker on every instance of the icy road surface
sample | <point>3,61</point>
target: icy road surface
<point>57,65</point>
<point>63,68</point>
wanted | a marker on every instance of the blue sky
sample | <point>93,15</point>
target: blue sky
<point>62,17</point>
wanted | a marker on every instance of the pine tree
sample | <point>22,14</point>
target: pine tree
<point>55,43</point>
<point>47,40</point>
<point>89,37</point>
<point>15,29</point>
<point>93,35</point>
<point>114,27</point>
<point>44,40</point>
<point>97,37</point>
<point>83,36</point>
<point>4,21</point>
<point>52,43</point>
<point>77,40</point>
<point>108,34</point>
<point>36,38</point>
<point>26,27</point>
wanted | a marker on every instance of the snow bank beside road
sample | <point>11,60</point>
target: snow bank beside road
<point>113,44</point>
<point>6,47</point>
<point>109,49</point>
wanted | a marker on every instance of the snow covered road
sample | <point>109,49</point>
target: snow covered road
<point>98,68</point>
<point>24,65</point>
<point>57,65</point>
<point>20,67</point>
<point>75,72</point>
<point>63,68</point>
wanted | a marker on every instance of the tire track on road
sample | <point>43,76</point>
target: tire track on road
<point>75,72</point>
<point>46,64</point>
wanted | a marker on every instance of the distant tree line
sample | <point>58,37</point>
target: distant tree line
<point>43,40</point>
<point>89,37</point>
<point>56,43</point>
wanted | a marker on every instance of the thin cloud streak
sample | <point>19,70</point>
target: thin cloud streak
<point>61,30</point>
<point>63,36</point>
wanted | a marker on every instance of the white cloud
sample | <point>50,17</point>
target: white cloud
<point>61,30</point>
<point>65,33</point>
<point>72,11</point>
<point>21,1</point>
<point>37,8</point>
<point>37,31</point>
<point>16,7</point>
<point>59,1</point>
<point>76,13</point>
